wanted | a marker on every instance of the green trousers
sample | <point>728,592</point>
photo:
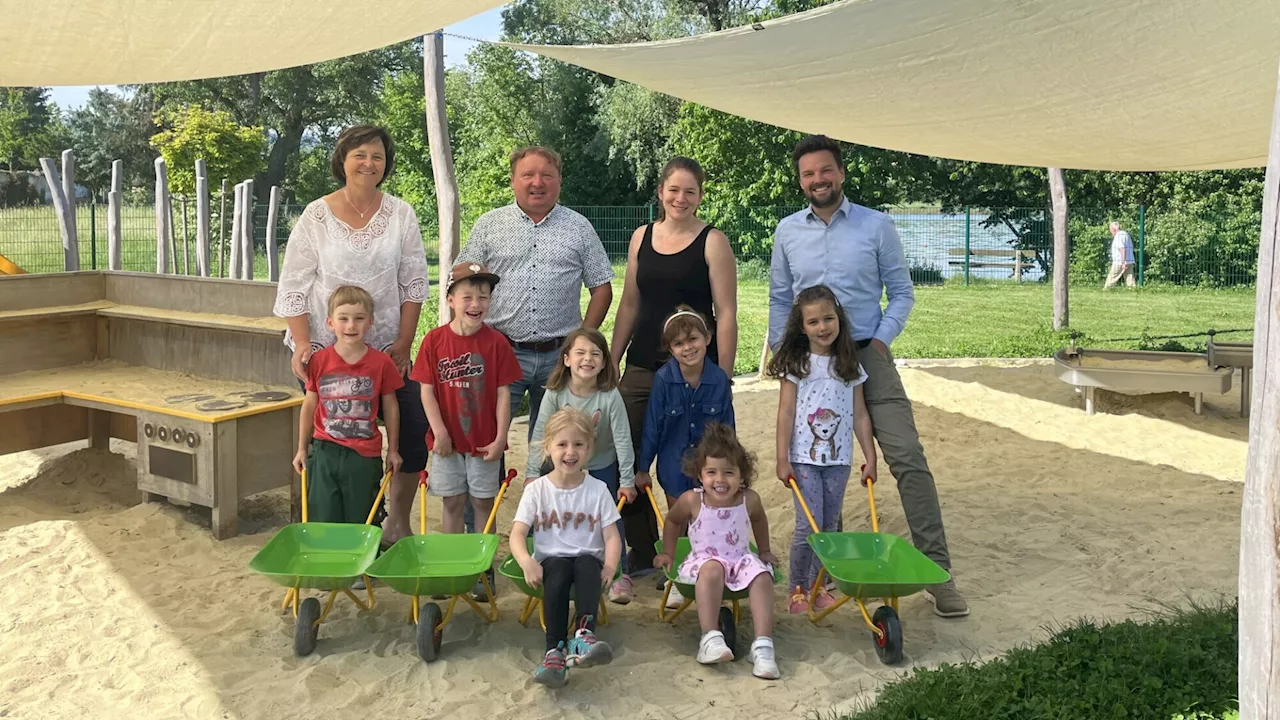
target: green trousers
<point>341,483</point>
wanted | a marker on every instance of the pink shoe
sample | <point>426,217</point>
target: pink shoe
<point>799,602</point>
<point>824,600</point>
<point>622,592</point>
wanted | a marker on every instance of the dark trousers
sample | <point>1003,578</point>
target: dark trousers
<point>563,578</point>
<point>640,523</point>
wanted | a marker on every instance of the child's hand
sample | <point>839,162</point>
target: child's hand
<point>769,558</point>
<point>868,474</point>
<point>606,575</point>
<point>300,461</point>
<point>394,461</point>
<point>662,561</point>
<point>532,573</point>
<point>443,445</point>
<point>494,450</point>
<point>628,493</point>
<point>643,480</point>
<point>786,473</point>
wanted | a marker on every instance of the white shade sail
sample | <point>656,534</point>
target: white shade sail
<point>1090,84</point>
<point>112,42</point>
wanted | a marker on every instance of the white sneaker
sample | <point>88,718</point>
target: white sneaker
<point>713,650</point>
<point>675,599</point>
<point>766,664</point>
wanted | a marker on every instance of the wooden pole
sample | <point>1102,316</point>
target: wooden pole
<point>447,204</point>
<point>1061,249</point>
<point>764,355</point>
<point>71,261</point>
<point>115,240</point>
<point>71,246</point>
<point>202,219</point>
<point>162,217</point>
<point>173,234</point>
<point>237,225</point>
<point>246,234</point>
<point>273,255</point>
<point>222,229</point>
<point>186,241</point>
<point>1259,632</point>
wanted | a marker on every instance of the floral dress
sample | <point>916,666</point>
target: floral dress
<point>722,534</point>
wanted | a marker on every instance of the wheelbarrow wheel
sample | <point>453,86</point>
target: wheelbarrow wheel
<point>429,632</point>
<point>730,630</point>
<point>888,645</point>
<point>305,628</point>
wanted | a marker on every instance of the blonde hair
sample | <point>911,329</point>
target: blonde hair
<point>568,419</point>
<point>350,295</point>
<point>560,374</point>
<point>547,153</point>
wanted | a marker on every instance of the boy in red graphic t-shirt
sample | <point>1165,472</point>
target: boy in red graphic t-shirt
<point>465,368</point>
<point>345,383</point>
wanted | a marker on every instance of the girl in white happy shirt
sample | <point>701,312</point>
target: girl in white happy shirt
<point>576,545</point>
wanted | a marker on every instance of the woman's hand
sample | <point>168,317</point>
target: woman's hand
<point>301,356</point>
<point>399,352</point>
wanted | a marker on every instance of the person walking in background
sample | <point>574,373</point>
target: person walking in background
<point>1122,263</point>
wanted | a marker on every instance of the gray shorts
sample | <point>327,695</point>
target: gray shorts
<point>459,474</point>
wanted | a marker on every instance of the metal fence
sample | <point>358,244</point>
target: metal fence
<point>1188,247</point>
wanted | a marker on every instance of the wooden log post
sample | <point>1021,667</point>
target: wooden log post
<point>246,233</point>
<point>273,254</point>
<point>60,209</point>
<point>1259,577</point>
<point>71,244</point>
<point>202,219</point>
<point>1061,249</point>
<point>236,226</point>
<point>162,216</point>
<point>222,230</point>
<point>186,239</point>
<point>447,203</point>
<point>115,239</point>
<point>173,235</point>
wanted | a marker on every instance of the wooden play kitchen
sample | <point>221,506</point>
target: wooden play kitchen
<point>193,370</point>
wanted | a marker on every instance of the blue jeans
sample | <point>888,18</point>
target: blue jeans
<point>536,368</point>
<point>609,476</point>
<point>823,490</point>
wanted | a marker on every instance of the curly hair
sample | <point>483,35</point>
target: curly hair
<point>792,357</point>
<point>720,441</point>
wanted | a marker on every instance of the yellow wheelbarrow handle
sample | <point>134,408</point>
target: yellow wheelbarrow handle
<point>871,500</point>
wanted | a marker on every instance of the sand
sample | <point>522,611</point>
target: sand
<point>112,609</point>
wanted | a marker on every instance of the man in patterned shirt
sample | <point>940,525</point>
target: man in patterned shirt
<point>544,253</point>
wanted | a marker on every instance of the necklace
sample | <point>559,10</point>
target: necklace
<point>353,205</point>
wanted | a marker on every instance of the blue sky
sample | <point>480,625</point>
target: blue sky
<point>487,26</point>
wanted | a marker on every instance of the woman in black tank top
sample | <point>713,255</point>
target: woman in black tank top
<point>702,275</point>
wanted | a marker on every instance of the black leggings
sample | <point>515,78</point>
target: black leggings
<point>560,576</point>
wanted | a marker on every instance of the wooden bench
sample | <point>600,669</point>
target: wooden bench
<point>1011,258</point>
<point>103,354</point>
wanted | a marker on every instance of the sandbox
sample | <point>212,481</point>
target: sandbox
<point>1140,371</point>
<point>191,369</point>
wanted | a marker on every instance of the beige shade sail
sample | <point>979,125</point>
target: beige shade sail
<point>1090,84</point>
<point>111,42</point>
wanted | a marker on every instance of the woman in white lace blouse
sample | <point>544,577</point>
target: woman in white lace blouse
<point>360,236</point>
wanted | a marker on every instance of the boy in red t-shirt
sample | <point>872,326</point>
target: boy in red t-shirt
<point>465,369</point>
<point>345,383</point>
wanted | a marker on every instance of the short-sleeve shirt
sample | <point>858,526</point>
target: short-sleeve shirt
<point>543,267</point>
<point>1122,248</point>
<point>567,523</point>
<point>823,430</point>
<point>465,371</point>
<point>347,412</point>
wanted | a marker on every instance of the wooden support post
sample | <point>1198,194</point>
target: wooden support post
<point>60,209</point>
<point>186,240</point>
<point>173,235</point>
<point>246,233</point>
<point>764,355</point>
<point>115,240</point>
<point>273,254</point>
<point>1061,249</point>
<point>70,245</point>
<point>447,203</point>
<point>237,224</point>
<point>1259,576</point>
<point>222,229</point>
<point>162,217</point>
<point>202,219</point>
<point>99,429</point>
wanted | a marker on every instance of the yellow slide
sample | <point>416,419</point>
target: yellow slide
<point>7,267</point>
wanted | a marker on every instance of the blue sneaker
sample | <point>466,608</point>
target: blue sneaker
<point>552,672</point>
<point>585,650</point>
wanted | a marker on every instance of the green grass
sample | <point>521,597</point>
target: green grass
<point>1180,664</point>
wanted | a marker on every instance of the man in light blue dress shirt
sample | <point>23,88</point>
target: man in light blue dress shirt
<point>856,252</point>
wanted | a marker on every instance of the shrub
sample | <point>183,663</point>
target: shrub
<point>1212,243</point>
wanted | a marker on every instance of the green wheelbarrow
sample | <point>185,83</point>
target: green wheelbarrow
<point>729,616</point>
<point>319,556</point>
<point>870,565</point>
<point>441,565</point>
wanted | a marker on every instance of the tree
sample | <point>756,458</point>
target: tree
<point>110,127</point>
<point>230,150</point>
<point>29,127</point>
